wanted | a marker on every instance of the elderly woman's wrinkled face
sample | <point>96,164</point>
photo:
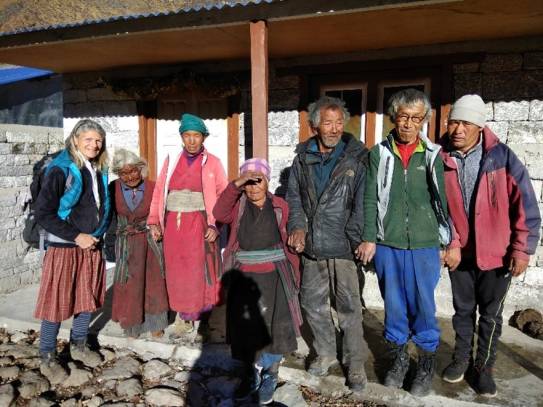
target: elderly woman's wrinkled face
<point>256,190</point>
<point>130,175</point>
<point>193,141</point>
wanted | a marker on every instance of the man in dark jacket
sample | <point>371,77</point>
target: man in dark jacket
<point>496,222</point>
<point>325,195</point>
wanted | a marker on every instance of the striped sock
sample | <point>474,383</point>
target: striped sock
<point>48,336</point>
<point>80,327</point>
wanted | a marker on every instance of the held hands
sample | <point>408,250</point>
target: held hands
<point>451,258</point>
<point>517,266</point>
<point>365,252</point>
<point>211,234</point>
<point>247,177</point>
<point>296,240</point>
<point>86,241</point>
<point>156,233</point>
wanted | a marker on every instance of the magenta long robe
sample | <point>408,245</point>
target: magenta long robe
<point>191,263</point>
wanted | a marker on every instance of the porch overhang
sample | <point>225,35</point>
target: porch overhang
<point>296,29</point>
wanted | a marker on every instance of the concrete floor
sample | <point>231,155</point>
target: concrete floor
<point>518,371</point>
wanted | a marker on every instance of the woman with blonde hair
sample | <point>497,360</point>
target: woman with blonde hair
<point>73,208</point>
<point>186,191</point>
<point>140,300</point>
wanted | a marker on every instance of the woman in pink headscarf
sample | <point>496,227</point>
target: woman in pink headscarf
<point>263,313</point>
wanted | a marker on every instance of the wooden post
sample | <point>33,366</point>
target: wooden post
<point>259,87</point>
<point>147,119</point>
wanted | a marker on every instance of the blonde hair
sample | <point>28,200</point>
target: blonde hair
<point>123,157</point>
<point>100,161</point>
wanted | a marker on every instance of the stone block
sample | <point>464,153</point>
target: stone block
<point>533,60</point>
<point>29,276</point>
<point>281,100</point>
<point>500,129</point>
<point>525,132</point>
<point>513,85</point>
<point>533,276</point>
<point>9,249</point>
<point>7,223</point>
<point>8,197</point>
<point>3,137</point>
<point>103,94</point>
<point>489,111</point>
<point>283,128</point>
<point>467,67</point>
<point>9,283</point>
<point>5,235</point>
<point>5,148</point>
<point>285,82</point>
<point>536,110</point>
<point>538,186</point>
<point>513,111</point>
<point>16,171</point>
<point>74,96</point>
<point>11,181</point>
<point>467,83</point>
<point>502,62</point>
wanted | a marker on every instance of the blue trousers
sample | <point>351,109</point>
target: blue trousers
<point>407,280</point>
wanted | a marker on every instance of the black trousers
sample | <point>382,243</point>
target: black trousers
<point>483,291</point>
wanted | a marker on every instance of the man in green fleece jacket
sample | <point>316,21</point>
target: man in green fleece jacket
<point>405,226</point>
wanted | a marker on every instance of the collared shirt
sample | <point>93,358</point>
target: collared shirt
<point>322,169</point>
<point>133,196</point>
<point>469,165</point>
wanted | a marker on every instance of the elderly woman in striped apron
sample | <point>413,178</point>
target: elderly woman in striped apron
<point>73,209</point>
<point>263,313</point>
<point>140,300</point>
<point>181,214</point>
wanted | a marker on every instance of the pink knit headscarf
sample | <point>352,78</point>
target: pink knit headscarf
<point>257,165</point>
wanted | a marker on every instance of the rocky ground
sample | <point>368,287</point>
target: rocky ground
<point>125,379</point>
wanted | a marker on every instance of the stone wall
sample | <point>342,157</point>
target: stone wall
<point>20,148</point>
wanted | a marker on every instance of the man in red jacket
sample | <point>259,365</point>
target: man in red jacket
<point>496,221</point>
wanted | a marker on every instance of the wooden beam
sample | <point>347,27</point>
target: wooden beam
<point>147,119</point>
<point>233,146</point>
<point>305,129</point>
<point>259,87</point>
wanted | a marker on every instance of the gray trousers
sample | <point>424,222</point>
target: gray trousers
<point>321,281</point>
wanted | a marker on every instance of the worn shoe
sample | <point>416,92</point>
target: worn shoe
<point>426,367</point>
<point>400,364</point>
<point>357,381</point>
<point>455,371</point>
<point>268,384</point>
<point>484,382</point>
<point>80,351</point>
<point>321,365</point>
<point>51,368</point>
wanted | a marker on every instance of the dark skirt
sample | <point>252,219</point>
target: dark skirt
<point>258,316</point>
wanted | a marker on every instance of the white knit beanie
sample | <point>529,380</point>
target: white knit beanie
<point>469,108</point>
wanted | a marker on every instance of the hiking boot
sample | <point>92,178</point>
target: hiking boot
<point>79,350</point>
<point>51,368</point>
<point>268,384</point>
<point>484,382</point>
<point>250,383</point>
<point>357,381</point>
<point>400,364</point>
<point>455,371</point>
<point>321,365</point>
<point>426,367</point>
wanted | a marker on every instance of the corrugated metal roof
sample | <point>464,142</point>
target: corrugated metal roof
<point>15,74</point>
<point>194,6</point>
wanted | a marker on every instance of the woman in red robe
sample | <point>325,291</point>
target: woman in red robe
<point>181,213</point>
<point>140,300</point>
